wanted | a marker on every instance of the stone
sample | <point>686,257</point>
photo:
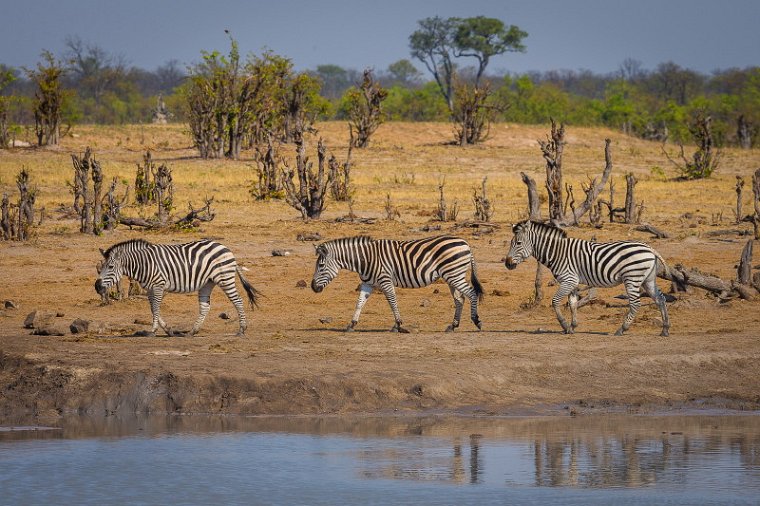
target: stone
<point>36,318</point>
<point>280,252</point>
<point>79,326</point>
<point>49,328</point>
<point>10,304</point>
<point>224,316</point>
<point>301,284</point>
<point>326,319</point>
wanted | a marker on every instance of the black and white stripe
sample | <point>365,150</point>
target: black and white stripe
<point>575,261</point>
<point>192,267</point>
<point>386,264</point>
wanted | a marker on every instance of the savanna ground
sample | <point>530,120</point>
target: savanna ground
<point>295,358</point>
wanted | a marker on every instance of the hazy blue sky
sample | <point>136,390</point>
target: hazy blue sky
<point>584,34</point>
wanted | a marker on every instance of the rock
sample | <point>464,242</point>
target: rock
<point>280,252</point>
<point>224,316</point>
<point>36,318</point>
<point>10,304</point>
<point>49,328</point>
<point>309,237</point>
<point>79,326</point>
<point>424,302</point>
<point>301,284</point>
<point>500,293</point>
<point>60,314</point>
<point>326,319</point>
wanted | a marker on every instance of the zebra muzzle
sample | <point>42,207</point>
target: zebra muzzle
<point>509,263</point>
<point>316,287</point>
<point>99,286</point>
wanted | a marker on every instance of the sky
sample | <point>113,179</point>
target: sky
<point>594,35</point>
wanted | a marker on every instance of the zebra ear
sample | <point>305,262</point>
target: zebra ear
<point>102,252</point>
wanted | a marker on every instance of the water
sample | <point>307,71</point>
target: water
<point>432,460</point>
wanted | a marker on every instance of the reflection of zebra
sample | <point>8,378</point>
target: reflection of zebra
<point>195,266</point>
<point>574,261</point>
<point>386,264</point>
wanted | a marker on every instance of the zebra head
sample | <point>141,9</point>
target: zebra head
<point>521,246</point>
<point>110,272</point>
<point>325,270</point>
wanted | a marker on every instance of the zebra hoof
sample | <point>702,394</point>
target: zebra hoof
<point>664,333</point>
<point>350,328</point>
<point>479,325</point>
<point>450,328</point>
<point>619,332</point>
<point>403,330</point>
<point>570,331</point>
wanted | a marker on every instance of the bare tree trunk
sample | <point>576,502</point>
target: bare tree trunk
<point>534,209</point>
<point>7,221</point>
<point>552,151</point>
<point>97,204</point>
<point>739,190</point>
<point>756,201</point>
<point>630,203</point>
<point>27,197</point>
<point>310,197</point>
<point>744,270</point>
<point>164,191</point>
<point>483,208</point>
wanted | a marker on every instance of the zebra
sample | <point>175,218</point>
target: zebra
<point>194,266</point>
<point>386,264</point>
<point>574,261</point>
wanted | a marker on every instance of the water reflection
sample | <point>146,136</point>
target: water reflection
<point>699,456</point>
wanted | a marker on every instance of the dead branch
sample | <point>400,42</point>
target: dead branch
<point>534,209</point>
<point>595,188</point>
<point>552,149</point>
<point>646,227</point>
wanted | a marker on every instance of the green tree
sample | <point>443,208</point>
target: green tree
<point>404,73</point>
<point>482,38</point>
<point>6,78</point>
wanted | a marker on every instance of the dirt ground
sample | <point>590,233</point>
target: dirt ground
<point>296,359</point>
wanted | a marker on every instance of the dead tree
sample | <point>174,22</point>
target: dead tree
<point>391,211</point>
<point>534,213</point>
<point>741,287</point>
<point>755,218</point>
<point>309,197</point>
<point>340,177</point>
<point>25,216</point>
<point>706,158</point>
<point>739,190</point>
<point>483,207</point>
<point>744,270</point>
<point>112,206</point>
<point>145,181</point>
<point>87,200</point>
<point>592,190</point>
<point>630,203</point>
<point>443,213</point>
<point>164,193</point>
<point>269,184</point>
<point>534,209</point>
<point>7,219</point>
<point>552,152</point>
<point>365,111</point>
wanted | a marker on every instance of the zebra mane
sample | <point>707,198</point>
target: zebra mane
<point>548,227</point>
<point>130,243</point>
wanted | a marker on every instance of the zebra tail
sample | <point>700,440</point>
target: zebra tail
<point>475,282</point>
<point>680,285</point>
<point>253,294</point>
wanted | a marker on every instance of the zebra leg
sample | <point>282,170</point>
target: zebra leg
<point>634,302</point>
<point>650,285</point>
<point>155,296</point>
<point>364,292</point>
<point>228,286</point>
<point>565,289</point>
<point>572,300</point>
<point>458,303</point>
<point>204,301</point>
<point>467,290</point>
<point>390,294</point>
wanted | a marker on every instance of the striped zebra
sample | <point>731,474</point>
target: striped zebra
<point>386,264</point>
<point>575,261</point>
<point>194,266</point>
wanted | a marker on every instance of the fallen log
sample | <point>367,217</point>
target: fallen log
<point>659,234</point>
